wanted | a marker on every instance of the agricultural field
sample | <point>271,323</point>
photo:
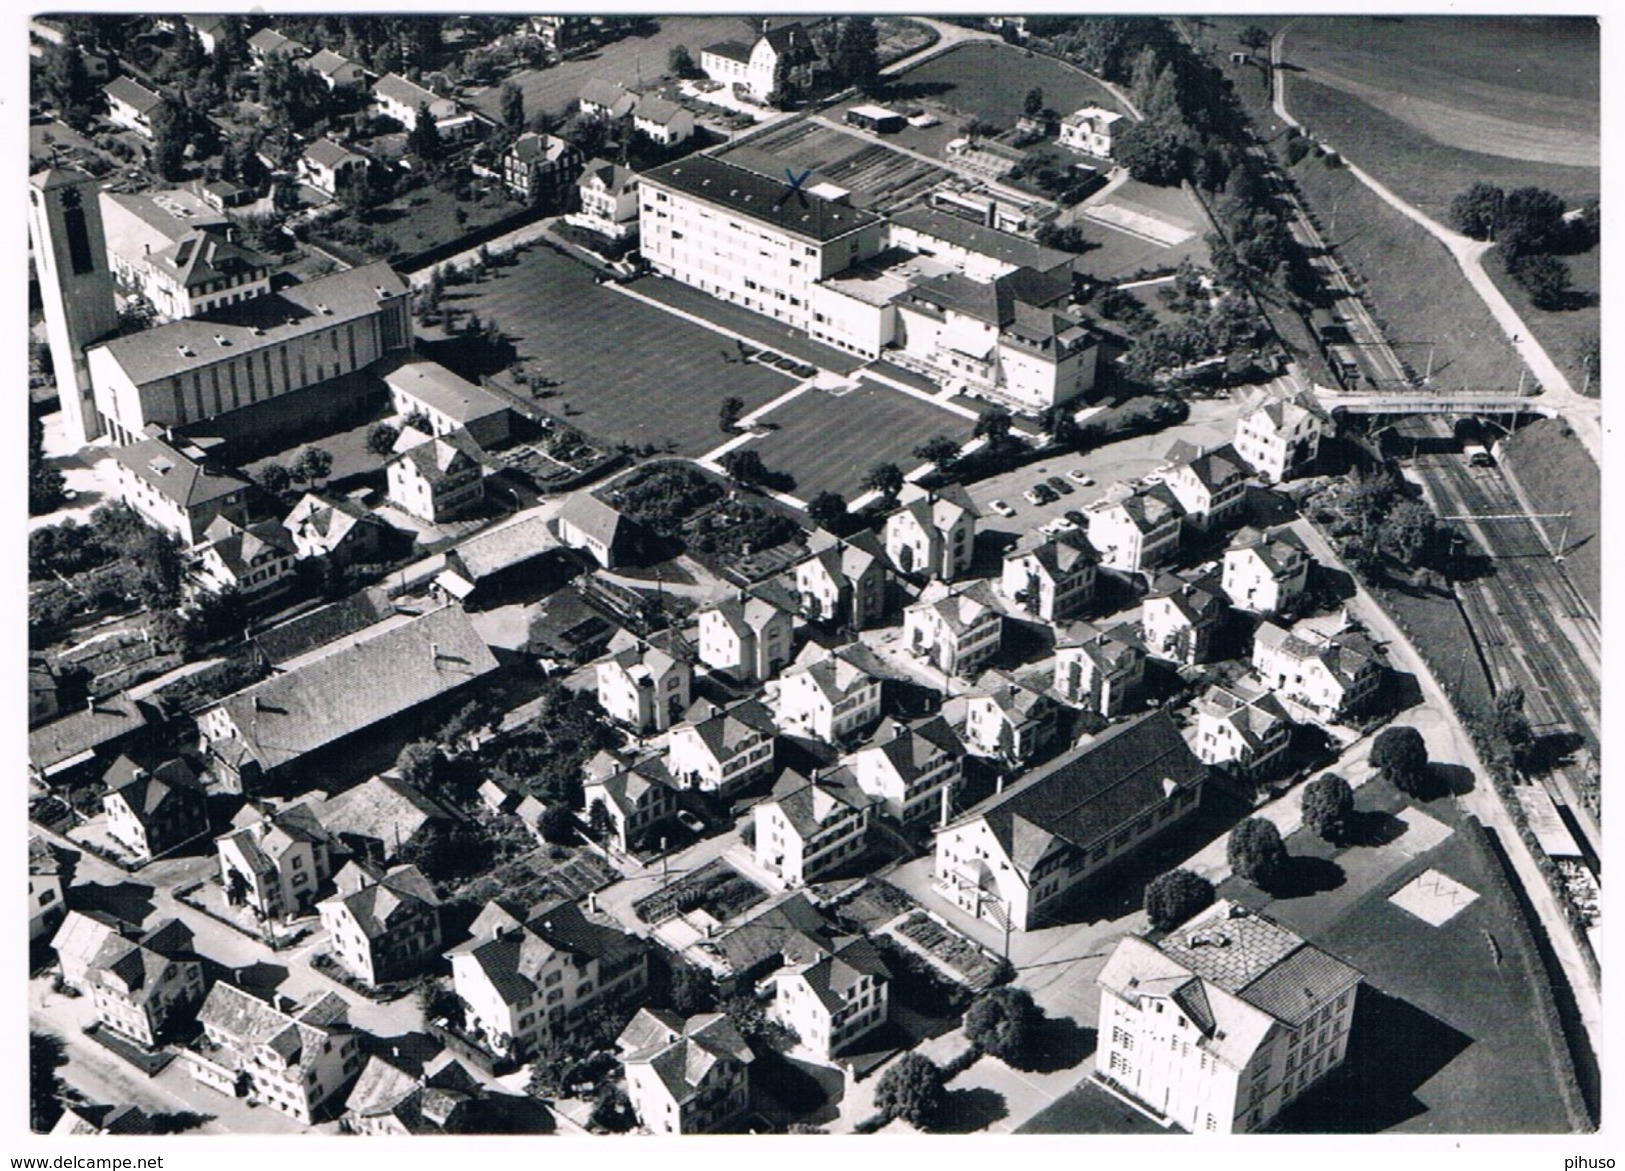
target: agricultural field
<point>989,80</point>
<point>635,374</point>
<point>830,443</point>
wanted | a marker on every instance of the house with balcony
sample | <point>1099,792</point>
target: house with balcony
<point>1210,485</point>
<point>1100,671</point>
<point>831,1003</point>
<point>1052,578</point>
<point>300,1060</point>
<point>1279,436</point>
<point>1136,529</point>
<point>146,986</point>
<point>958,631</point>
<point>1015,855</point>
<point>910,771</point>
<point>811,826</point>
<point>607,194</point>
<point>646,686</point>
<point>685,1076</point>
<point>1224,1022</point>
<point>843,580</point>
<point>634,799</point>
<point>382,925</point>
<point>1266,571</point>
<point>933,533</point>
<point>1241,726</point>
<point>746,638</point>
<point>525,973</point>
<point>398,98</point>
<point>131,105</point>
<point>331,168</point>
<point>257,560</point>
<point>826,697</point>
<point>153,813</point>
<point>278,863</point>
<point>1180,618</point>
<point>1328,671</point>
<point>1009,720</point>
<point>721,750</point>
<point>436,478</point>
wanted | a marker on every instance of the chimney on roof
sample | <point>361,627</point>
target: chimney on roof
<point>1168,787</point>
<point>434,655</point>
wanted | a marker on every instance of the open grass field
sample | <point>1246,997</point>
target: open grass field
<point>989,80</point>
<point>1562,332</point>
<point>1122,254</point>
<point>1413,286</point>
<point>1558,476</point>
<point>830,443</point>
<point>1449,1034</point>
<point>628,372</point>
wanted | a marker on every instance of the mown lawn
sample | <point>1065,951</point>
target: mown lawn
<point>990,80</point>
<point>1562,332</point>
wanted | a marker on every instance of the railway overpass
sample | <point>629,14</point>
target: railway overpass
<point>1428,402</point>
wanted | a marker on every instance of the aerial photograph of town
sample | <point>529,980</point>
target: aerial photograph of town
<point>813,575</point>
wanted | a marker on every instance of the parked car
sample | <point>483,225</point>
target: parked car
<point>689,822</point>
<point>1081,477</point>
<point>1081,519</point>
<point>1058,526</point>
<point>1040,494</point>
<point>1002,508</point>
<point>1060,486</point>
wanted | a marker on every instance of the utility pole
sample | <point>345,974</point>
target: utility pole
<point>1428,377</point>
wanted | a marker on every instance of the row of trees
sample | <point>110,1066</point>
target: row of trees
<point>310,466</point>
<point>1532,227</point>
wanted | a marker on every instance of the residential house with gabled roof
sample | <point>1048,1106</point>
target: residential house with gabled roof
<point>1325,669</point>
<point>912,770</point>
<point>177,490</point>
<point>1136,529</point>
<point>381,926</point>
<point>144,987</point>
<point>811,825</point>
<point>841,997</point>
<point>666,123</point>
<point>607,194</point>
<point>727,62</point>
<point>1210,484</point>
<point>842,582</point>
<point>131,105</point>
<point>382,816</point>
<point>299,1061</point>
<point>1242,726</point>
<point>175,249</point>
<point>685,1076</point>
<point>526,973</point>
<point>436,478</point>
<point>335,528</point>
<point>1008,719</point>
<point>1224,1022</point>
<point>99,1118</point>
<point>611,537</point>
<point>257,736</point>
<point>646,686</point>
<point>1266,572</point>
<point>44,691</point>
<point>747,638</point>
<point>634,800</point>
<point>1098,670</point>
<point>542,169</point>
<point>154,813</point>
<point>332,169</point>
<point>335,70</point>
<point>787,48</point>
<point>1180,618</point>
<point>439,1096</point>
<point>825,696</point>
<point>298,636</point>
<point>1089,131</point>
<point>45,904</point>
<point>398,98</point>
<point>606,99</point>
<point>1052,578</point>
<point>277,864</point>
<point>78,941</point>
<point>256,560</point>
<point>1012,857</point>
<point>742,958</point>
<point>1279,436</point>
<point>722,749</point>
<point>449,402</point>
<point>268,43</point>
<point>933,533</point>
<point>82,740</point>
<point>958,630</point>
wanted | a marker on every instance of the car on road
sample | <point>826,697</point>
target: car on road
<point>689,822</point>
<point>1078,518</point>
<point>1002,508</point>
<point>1040,494</point>
<point>1081,477</point>
<point>1061,487</point>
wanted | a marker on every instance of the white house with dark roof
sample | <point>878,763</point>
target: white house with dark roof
<point>335,70</point>
<point>449,402</point>
<point>146,985</point>
<point>1179,618</point>
<point>842,582</point>
<point>933,533</point>
<point>1089,131</point>
<point>721,750</point>
<point>645,687</point>
<point>277,864</point>
<point>330,168</point>
<point>398,98</point>
<point>606,99</point>
<point>1014,855</point>
<point>335,528</point>
<point>381,927</point>
<point>608,197</point>
<point>1241,725</point>
<point>1266,572</point>
<point>131,105</point>
<point>834,1001</point>
<point>45,904</point>
<point>811,825</point>
<point>755,66</point>
<point>157,811</point>
<point>1222,1023</point>
<point>634,799</point>
<point>175,249</point>
<point>611,537</point>
<point>1328,673</point>
<point>1210,485</point>
<point>685,1076</point>
<point>1136,528</point>
<point>436,478</point>
<point>257,560</point>
<point>958,630</point>
<point>825,696</point>
<point>268,43</point>
<point>748,638</point>
<point>666,123</point>
<point>1009,720</point>
<point>177,488</point>
<point>1052,578</point>
<point>1280,435</point>
<point>911,771</point>
<point>1100,671</point>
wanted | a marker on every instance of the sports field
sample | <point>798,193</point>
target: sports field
<point>628,372</point>
<point>989,81</point>
<point>830,443</point>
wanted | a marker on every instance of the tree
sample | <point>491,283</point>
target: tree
<point>558,824</point>
<point>857,52</point>
<point>1531,222</point>
<point>1477,211</point>
<point>418,764</point>
<point>76,97</point>
<point>46,1053</point>
<point>381,438</point>
<point>1402,755</point>
<point>1174,897</point>
<point>1256,852</point>
<point>169,138</point>
<point>513,107</point>
<point>275,479</point>
<point>1509,723</point>
<point>939,450</point>
<point>1328,805</point>
<point>994,426</point>
<point>728,415</point>
<point>828,509</point>
<point>138,314</point>
<point>1545,278</point>
<point>46,485</point>
<point>1408,532</point>
<point>1253,38</point>
<point>886,479</point>
<point>1004,1023</point>
<point>1033,103</point>
<point>423,140</point>
<point>911,1089</point>
<point>744,468</point>
<point>312,464</point>
<point>1153,153</point>
<point>692,990</point>
<point>681,62</point>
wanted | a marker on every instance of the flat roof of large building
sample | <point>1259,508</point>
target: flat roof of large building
<point>763,199</point>
<point>880,279</point>
<point>981,239</point>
